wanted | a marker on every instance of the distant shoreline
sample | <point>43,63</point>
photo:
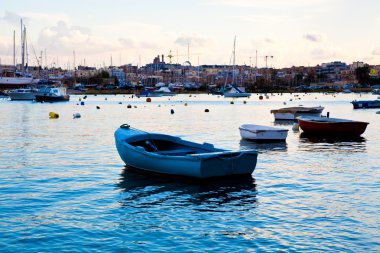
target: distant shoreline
<point>134,92</point>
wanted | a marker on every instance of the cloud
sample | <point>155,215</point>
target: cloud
<point>125,42</point>
<point>271,18</point>
<point>268,40</point>
<point>313,37</point>
<point>149,45</point>
<point>256,3</point>
<point>376,51</point>
<point>11,18</point>
<point>319,53</point>
<point>326,54</point>
<point>62,38</point>
<point>130,43</point>
<point>6,49</point>
<point>194,41</point>
<point>368,58</point>
<point>84,30</point>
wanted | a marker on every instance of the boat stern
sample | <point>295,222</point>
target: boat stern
<point>228,163</point>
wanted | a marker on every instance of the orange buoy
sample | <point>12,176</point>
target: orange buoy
<point>261,97</point>
<point>148,100</point>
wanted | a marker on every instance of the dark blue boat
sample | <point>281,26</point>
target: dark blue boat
<point>365,104</point>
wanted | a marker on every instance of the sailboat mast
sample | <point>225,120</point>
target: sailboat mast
<point>233,62</point>
<point>14,49</point>
<point>256,67</point>
<point>26,51</point>
<point>22,48</point>
<point>75,71</point>
<point>188,51</point>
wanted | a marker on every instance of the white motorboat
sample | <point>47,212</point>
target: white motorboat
<point>291,113</point>
<point>23,94</point>
<point>262,133</point>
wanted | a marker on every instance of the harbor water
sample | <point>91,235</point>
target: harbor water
<point>63,186</point>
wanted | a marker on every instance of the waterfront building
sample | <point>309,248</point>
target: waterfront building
<point>357,64</point>
<point>330,72</point>
<point>120,76</point>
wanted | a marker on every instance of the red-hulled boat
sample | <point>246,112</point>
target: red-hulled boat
<point>331,126</point>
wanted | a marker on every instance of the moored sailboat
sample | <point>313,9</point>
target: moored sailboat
<point>12,78</point>
<point>234,91</point>
<point>9,79</point>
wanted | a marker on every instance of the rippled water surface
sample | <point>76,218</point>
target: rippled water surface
<point>63,186</point>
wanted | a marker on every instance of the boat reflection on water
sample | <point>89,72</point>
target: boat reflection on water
<point>199,192</point>
<point>332,143</point>
<point>330,139</point>
<point>284,122</point>
<point>262,147</point>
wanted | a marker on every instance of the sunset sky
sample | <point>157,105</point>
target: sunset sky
<point>294,32</point>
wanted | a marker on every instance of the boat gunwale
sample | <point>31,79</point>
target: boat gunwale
<point>263,129</point>
<point>325,120</point>
<point>196,150</point>
<point>298,109</point>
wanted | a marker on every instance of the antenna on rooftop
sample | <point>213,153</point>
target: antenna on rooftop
<point>74,59</point>
<point>188,51</point>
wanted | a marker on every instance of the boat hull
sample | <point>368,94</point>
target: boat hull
<point>14,82</point>
<point>292,113</point>
<point>149,95</point>
<point>366,104</point>
<point>204,161</point>
<point>291,116</point>
<point>47,98</point>
<point>22,96</point>
<point>236,95</point>
<point>331,126</point>
<point>167,94</point>
<point>262,133</point>
<point>3,95</point>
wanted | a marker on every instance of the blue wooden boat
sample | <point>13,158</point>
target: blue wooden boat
<point>364,104</point>
<point>171,155</point>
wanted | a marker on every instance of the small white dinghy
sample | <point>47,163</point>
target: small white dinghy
<point>262,133</point>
